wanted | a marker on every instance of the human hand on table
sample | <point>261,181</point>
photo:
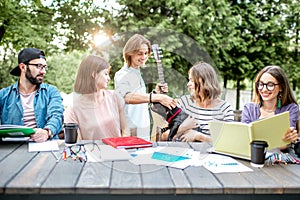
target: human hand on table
<point>193,135</point>
<point>40,135</point>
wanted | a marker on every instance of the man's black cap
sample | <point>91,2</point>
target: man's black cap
<point>25,56</point>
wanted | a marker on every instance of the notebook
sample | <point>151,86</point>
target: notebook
<point>234,138</point>
<point>127,142</point>
<point>15,131</point>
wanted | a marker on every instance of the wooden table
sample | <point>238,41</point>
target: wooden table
<point>38,176</point>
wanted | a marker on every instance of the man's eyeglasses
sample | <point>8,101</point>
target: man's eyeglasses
<point>270,85</point>
<point>39,66</point>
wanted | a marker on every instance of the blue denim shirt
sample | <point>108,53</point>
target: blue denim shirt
<point>48,107</point>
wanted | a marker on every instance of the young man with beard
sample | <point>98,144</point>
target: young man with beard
<point>30,102</point>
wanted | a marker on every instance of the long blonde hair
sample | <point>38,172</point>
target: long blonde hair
<point>133,45</point>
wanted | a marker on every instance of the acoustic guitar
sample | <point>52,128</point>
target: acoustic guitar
<point>163,118</point>
<point>158,117</point>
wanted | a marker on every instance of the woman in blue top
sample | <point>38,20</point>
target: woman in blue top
<point>272,96</point>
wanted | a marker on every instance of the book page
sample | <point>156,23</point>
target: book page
<point>232,138</point>
<point>9,126</point>
<point>271,129</point>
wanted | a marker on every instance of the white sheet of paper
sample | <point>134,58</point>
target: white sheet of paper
<point>106,153</point>
<point>51,145</point>
<point>223,164</point>
<point>144,156</point>
<point>16,139</point>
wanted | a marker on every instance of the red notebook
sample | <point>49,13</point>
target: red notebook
<point>127,142</point>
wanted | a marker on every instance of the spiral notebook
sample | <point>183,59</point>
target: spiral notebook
<point>234,138</point>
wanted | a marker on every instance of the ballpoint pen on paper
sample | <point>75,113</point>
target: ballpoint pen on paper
<point>229,163</point>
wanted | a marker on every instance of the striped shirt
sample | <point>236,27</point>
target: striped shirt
<point>223,112</point>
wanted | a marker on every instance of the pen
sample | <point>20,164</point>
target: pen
<point>229,164</point>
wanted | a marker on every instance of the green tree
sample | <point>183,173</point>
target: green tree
<point>61,26</point>
<point>263,38</point>
<point>188,31</point>
<point>63,68</point>
<point>240,37</point>
<point>292,61</point>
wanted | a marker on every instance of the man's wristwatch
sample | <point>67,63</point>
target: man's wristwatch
<point>50,136</point>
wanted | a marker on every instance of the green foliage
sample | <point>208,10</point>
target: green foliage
<point>25,24</point>
<point>240,37</point>
<point>76,21</point>
<point>237,37</point>
<point>62,26</point>
<point>63,68</point>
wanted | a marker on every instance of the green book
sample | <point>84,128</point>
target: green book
<point>15,131</point>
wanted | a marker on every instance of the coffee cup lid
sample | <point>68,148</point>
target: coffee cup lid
<point>70,125</point>
<point>259,142</point>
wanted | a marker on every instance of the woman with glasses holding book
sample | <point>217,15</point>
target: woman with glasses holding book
<point>272,96</point>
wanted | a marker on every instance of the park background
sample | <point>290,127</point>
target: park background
<point>237,37</point>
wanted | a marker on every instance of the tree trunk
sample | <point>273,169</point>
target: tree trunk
<point>238,88</point>
<point>225,81</point>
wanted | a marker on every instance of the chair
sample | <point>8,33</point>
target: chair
<point>237,115</point>
<point>157,123</point>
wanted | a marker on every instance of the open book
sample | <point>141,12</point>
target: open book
<point>15,131</point>
<point>127,142</point>
<point>234,138</point>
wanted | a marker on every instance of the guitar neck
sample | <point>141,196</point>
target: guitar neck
<point>160,73</point>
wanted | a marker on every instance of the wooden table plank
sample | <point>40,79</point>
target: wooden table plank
<point>292,168</point>
<point>13,164</point>
<point>290,182</point>
<point>262,183</point>
<point>181,182</point>
<point>179,144</point>
<point>33,173</point>
<point>32,176</point>
<point>63,178</point>
<point>234,183</point>
<point>203,181</point>
<point>156,180</point>
<point>164,144</point>
<point>125,178</point>
<point>200,146</point>
<point>95,178</point>
<point>7,148</point>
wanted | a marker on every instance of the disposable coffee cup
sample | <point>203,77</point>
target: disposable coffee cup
<point>258,153</point>
<point>70,133</point>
